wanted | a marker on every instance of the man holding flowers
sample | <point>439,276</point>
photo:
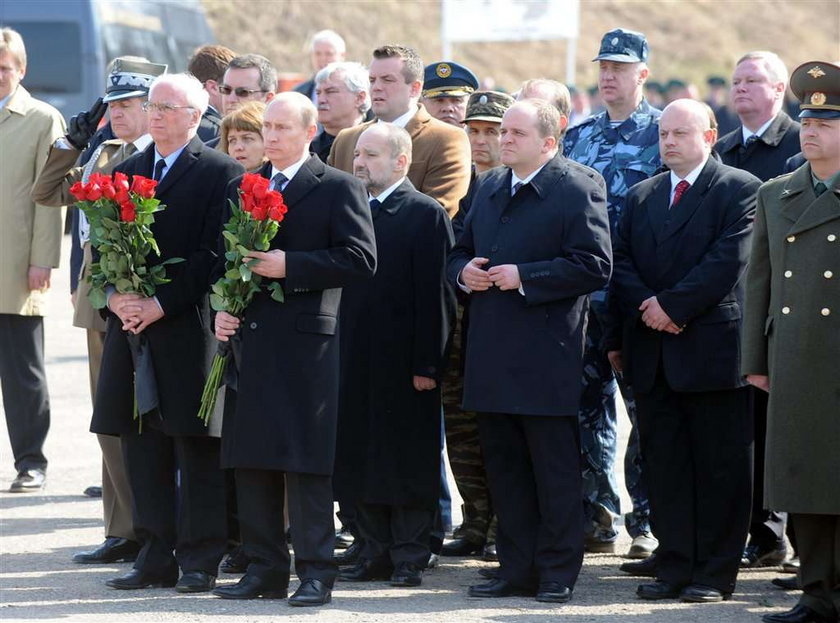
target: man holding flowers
<point>189,517</point>
<point>280,423</point>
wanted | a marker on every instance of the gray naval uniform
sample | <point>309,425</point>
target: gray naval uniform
<point>623,154</point>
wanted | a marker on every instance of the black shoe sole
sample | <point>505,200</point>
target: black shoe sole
<point>263,595</point>
<point>167,584</point>
<point>305,604</point>
<point>108,561</point>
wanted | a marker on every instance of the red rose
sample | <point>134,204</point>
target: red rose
<point>128,212</point>
<point>108,190</point>
<point>94,192</point>
<point>260,187</point>
<point>122,195</point>
<point>78,191</point>
<point>97,178</point>
<point>277,213</point>
<point>260,212</point>
<point>248,181</point>
<point>247,202</point>
<point>121,181</point>
<point>143,186</point>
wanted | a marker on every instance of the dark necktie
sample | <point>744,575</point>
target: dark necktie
<point>682,186</point>
<point>160,165</point>
<point>820,188</point>
<point>515,189</point>
<point>752,139</point>
<point>278,181</point>
<point>375,205</point>
<point>128,149</point>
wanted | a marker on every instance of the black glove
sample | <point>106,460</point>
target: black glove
<point>83,126</point>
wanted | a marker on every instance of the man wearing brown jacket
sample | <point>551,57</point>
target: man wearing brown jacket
<point>441,164</point>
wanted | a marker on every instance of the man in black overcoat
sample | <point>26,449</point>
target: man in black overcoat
<point>280,425</point>
<point>535,243</point>
<point>762,144</point>
<point>680,260</point>
<point>170,440</point>
<point>394,329</point>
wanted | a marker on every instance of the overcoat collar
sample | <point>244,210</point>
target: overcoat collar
<point>691,200</point>
<point>772,136</point>
<point>394,202</point>
<point>307,177</point>
<point>802,207</point>
<point>184,163</point>
<point>17,104</point>
<point>553,171</point>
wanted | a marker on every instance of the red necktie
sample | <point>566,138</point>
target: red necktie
<point>682,186</point>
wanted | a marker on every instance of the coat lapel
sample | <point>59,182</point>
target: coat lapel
<point>803,207</point>
<point>657,206</point>
<point>183,164</point>
<point>797,194</point>
<point>307,178</point>
<point>691,200</point>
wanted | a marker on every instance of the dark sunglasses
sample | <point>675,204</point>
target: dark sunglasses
<point>239,91</point>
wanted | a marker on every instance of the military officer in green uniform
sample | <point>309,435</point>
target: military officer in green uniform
<point>792,341</point>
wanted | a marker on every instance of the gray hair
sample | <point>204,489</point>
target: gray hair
<point>268,74</point>
<point>774,65</point>
<point>12,42</point>
<point>187,84</point>
<point>355,77</point>
<point>399,141</point>
<point>551,91</point>
<point>328,36</point>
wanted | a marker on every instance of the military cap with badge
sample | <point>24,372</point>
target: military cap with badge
<point>623,46</point>
<point>488,106</point>
<point>448,79</point>
<point>816,84</point>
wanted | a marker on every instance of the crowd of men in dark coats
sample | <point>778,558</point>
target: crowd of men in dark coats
<point>458,262</point>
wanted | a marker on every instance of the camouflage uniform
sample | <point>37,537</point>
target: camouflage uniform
<point>624,155</point>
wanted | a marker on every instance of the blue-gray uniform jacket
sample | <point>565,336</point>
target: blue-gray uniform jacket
<point>623,155</point>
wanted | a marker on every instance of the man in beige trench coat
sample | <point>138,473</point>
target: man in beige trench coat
<point>30,245</point>
<point>792,341</point>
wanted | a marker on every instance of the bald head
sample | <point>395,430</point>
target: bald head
<point>382,156</point>
<point>685,135</point>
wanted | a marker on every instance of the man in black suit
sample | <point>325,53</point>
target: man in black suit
<point>762,144</point>
<point>536,242</point>
<point>325,47</point>
<point>679,264</point>
<point>394,329</point>
<point>173,443</point>
<point>208,63</point>
<point>280,426</point>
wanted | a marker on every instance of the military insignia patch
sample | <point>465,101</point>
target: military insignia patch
<point>818,99</point>
<point>816,72</point>
<point>443,70</point>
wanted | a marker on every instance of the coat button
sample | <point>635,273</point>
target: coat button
<point>494,248</point>
<point>788,274</point>
<point>505,219</point>
<point>791,238</point>
<point>786,310</point>
<point>828,274</point>
<point>253,325</point>
<point>825,311</point>
<point>832,237</point>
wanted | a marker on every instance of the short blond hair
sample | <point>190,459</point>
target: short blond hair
<point>12,42</point>
<point>246,118</point>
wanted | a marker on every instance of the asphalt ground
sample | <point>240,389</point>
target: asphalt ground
<point>39,532</point>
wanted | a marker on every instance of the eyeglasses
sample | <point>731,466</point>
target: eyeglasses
<point>162,108</point>
<point>239,91</point>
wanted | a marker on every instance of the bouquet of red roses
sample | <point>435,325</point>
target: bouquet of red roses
<point>120,217</point>
<point>252,226</point>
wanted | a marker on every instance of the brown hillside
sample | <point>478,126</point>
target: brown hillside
<point>689,39</point>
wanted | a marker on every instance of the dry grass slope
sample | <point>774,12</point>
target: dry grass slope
<point>689,38</point>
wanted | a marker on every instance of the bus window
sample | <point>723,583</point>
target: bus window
<point>53,50</point>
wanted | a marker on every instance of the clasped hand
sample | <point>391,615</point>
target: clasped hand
<point>655,317</point>
<point>503,276</point>
<point>136,312</point>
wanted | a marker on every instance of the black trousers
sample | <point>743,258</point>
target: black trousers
<point>395,535</point>
<point>260,494</point>
<point>818,539</point>
<point>767,527</point>
<point>697,452</point>
<point>533,470</point>
<point>179,500</point>
<point>24,383</point>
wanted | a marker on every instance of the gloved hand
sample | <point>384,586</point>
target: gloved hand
<point>83,126</point>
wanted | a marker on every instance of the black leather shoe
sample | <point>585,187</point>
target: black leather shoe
<point>235,562</point>
<point>799,614</point>
<point>252,587</point>
<point>311,593</point>
<point>643,568</point>
<point>93,491</point>
<point>658,590</point>
<point>343,539</point>
<point>757,556</point>
<point>113,549</point>
<point>491,573</point>
<point>407,574</point>
<point>490,554</point>
<point>28,480</point>
<point>366,571</point>
<point>196,582</point>
<point>461,547</point>
<point>787,584</point>
<point>697,593</point>
<point>349,556</point>
<point>499,588</point>
<point>554,593</point>
<point>137,578</point>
